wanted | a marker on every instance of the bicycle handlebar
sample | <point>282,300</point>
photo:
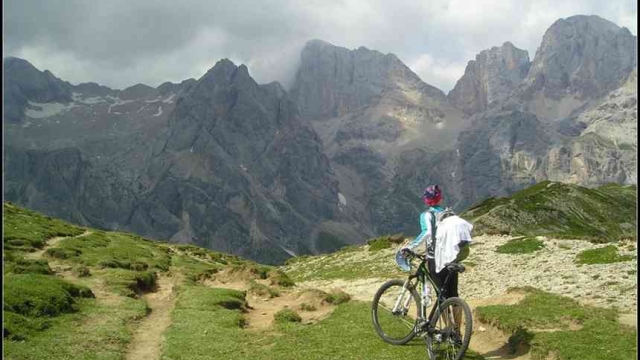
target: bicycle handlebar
<point>409,254</point>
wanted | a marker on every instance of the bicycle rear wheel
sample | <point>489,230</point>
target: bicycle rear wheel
<point>452,324</point>
<point>395,327</point>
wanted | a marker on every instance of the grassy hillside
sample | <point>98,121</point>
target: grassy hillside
<point>602,214</point>
<point>78,293</point>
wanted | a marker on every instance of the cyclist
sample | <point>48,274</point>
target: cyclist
<point>456,248</point>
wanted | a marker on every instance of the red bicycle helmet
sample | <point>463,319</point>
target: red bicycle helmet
<point>432,195</point>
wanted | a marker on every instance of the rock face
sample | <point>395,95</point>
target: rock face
<point>492,76</point>
<point>24,83</point>
<point>222,162</point>
<point>525,123</point>
<point>581,58</point>
<point>240,172</point>
<point>333,81</point>
<point>368,108</point>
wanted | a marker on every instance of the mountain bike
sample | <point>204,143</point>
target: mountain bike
<point>446,330</point>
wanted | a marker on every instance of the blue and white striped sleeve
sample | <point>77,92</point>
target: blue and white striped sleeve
<point>426,231</point>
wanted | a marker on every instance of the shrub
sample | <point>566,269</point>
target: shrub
<point>286,316</point>
<point>337,297</point>
<point>263,290</point>
<point>307,307</point>
<point>279,278</point>
<point>131,283</point>
<point>81,271</point>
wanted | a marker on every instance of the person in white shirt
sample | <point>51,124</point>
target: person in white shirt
<point>450,241</point>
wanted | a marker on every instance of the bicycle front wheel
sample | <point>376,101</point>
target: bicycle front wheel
<point>452,325</point>
<point>394,311</point>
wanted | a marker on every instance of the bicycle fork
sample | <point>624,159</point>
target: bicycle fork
<point>407,301</point>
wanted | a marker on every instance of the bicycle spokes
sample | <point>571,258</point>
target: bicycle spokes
<point>394,312</point>
<point>451,334</point>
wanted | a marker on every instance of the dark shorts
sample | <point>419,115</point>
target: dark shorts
<point>451,287</point>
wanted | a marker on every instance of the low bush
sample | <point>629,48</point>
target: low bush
<point>307,307</point>
<point>286,316</point>
<point>337,297</point>
<point>81,271</point>
<point>131,283</point>
<point>280,278</point>
<point>263,290</point>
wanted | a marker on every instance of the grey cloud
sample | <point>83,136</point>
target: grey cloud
<point>119,43</point>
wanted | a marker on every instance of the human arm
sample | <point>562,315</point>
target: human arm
<point>424,226</point>
<point>463,253</point>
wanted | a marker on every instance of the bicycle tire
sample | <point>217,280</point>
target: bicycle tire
<point>466,338</point>
<point>375,313</point>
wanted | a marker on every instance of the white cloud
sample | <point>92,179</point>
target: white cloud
<point>440,73</point>
<point>120,43</point>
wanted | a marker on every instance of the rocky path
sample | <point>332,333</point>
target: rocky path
<point>148,337</point>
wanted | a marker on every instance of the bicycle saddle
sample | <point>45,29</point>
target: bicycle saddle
<point>455,267</point>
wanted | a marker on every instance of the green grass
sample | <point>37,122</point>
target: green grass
<point>96,331</point>
<point>35,295</point>
<point>346,334</point>
<point>27,230</point>
<point>520,246</point>
<point>604,255</point>
<point>204,298</point>
<point>129,283</point>
<point>560,210</point>
<point>112,250</point>
<point>599,335</point>
<point>345,265</point>
<point>27,266</point>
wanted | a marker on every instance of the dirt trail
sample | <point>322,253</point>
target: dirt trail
<point>148,337</point>
<point>53,242</point>
<point>262,308</point>
<point>489,341</point>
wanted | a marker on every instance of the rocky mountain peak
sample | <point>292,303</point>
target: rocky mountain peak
<point>138,91</point>
<point>333,80</point>
<point>586,56</point>
<point>493,75</point>
<point>24,82</point>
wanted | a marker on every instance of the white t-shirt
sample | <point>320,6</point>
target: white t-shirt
<point>450,232</point>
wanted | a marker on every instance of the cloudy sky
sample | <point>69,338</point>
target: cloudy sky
<point>119,43</point>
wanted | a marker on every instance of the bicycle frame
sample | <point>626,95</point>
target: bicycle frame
<point>422,274</point>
